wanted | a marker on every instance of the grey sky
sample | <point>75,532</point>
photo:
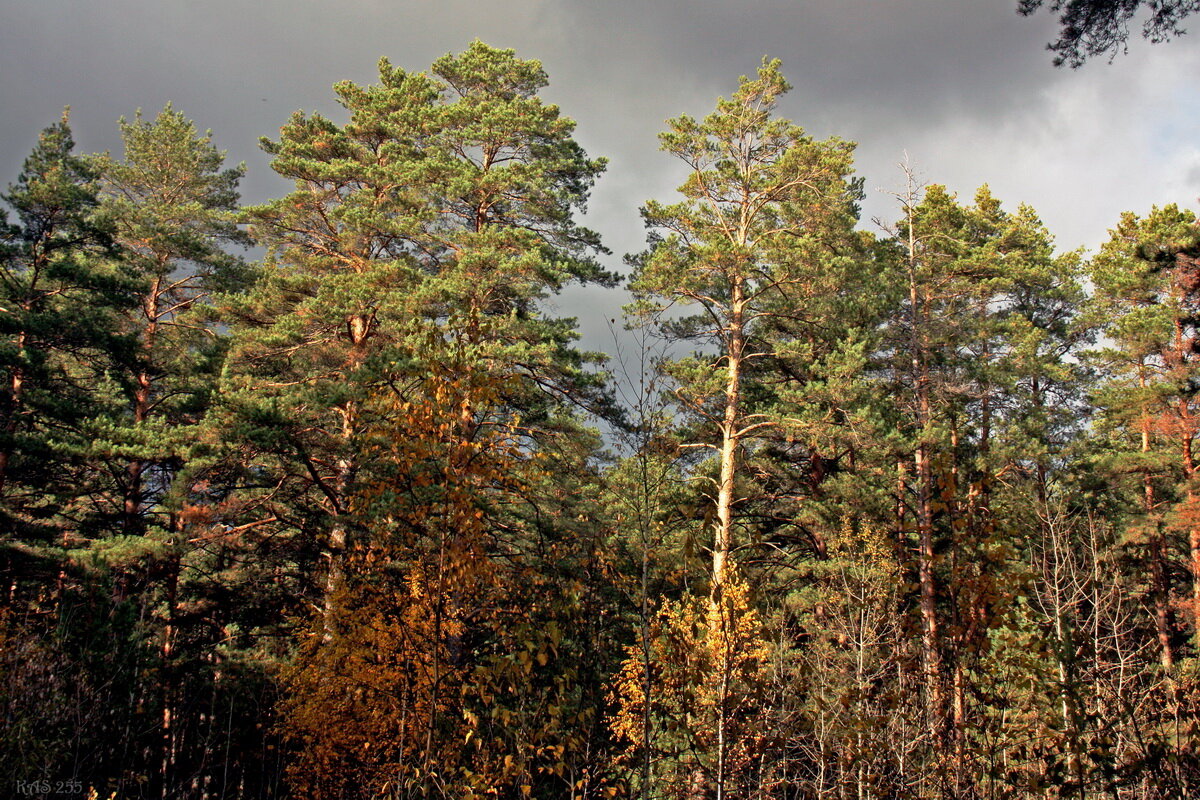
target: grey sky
<point>965,87</point>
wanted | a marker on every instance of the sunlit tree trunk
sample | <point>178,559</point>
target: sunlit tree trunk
<point>359,328</point>
<point>923,471</point>
<point>730,439</point>
<point>133,523</point>
<point>1158,549</point>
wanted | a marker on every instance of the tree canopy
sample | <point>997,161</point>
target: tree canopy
<point>910,511</point>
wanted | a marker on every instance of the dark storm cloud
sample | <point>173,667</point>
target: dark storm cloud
<point>887,59</point>
<point>964,86</point>
<point>884,74</point>
<point>240,67</point>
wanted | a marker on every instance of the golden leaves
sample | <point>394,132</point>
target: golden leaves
<point>691,692</point>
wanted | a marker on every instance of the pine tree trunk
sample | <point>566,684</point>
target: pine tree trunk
<point>134,524</point>
<point>1194,548</point>
<point>359,329</point>
<point>930,644</point>
<point>1191,511</point>
<point>335,575</point>
<point>923,472</point>
<point>730,439</point>
<point>168,680</point>
<point>961,630</point>
<point>1186,432</point>
<point>1158,555</point>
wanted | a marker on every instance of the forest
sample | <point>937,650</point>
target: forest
<point>319,498</point>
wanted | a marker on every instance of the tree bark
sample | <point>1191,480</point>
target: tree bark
<point>1158,553</point>
<point>133,523</point>
<point>930,644</point>
<point>730,440</point>
<point>168,688</point>
<point>359,329</point>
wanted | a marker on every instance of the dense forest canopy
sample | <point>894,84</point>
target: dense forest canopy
<point>310,498</point>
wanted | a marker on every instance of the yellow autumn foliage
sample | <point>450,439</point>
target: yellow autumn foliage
<point>691,697</point>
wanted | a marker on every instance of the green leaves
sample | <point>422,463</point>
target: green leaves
<point>61,294</point>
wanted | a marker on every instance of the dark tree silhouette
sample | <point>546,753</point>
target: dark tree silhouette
<point>1099,27</point>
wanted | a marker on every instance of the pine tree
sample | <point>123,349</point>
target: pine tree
<point>1145,277</point>
<point>763,230</point>
<point>61,338</point>
<point>173,207</point>
<point>71,640</point>
<point>983,401</point>
<point>404,286</point>
<point>760,243</point>
<point>444,198</point>
<point>174,211</point>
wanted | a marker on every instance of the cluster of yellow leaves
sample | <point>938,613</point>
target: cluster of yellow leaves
<point>692,695</point>
<point>434,681</point>
<point>376,705</point>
